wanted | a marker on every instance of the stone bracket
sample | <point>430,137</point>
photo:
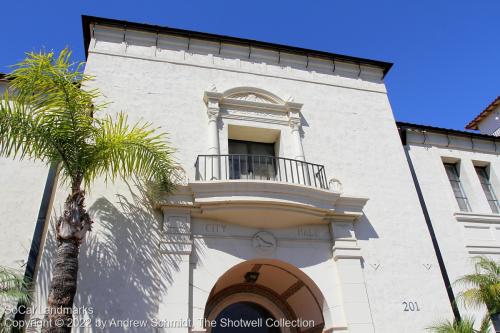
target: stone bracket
<point>345,243</point>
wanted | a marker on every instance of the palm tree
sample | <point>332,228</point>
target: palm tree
<point>13,290</point>
<point>483,288</point>
<point>48,117</point>
<point>461,326</point>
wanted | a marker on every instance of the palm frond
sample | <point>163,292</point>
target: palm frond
<point>483,286</point>
<point>4,326</point>
<point>13,287</point>
<point>13,290</point>
<point>21,136</point>
<point>485,325</point>
<point>123,150</point>
<point>465,325</point>
<point>48,114</point>
<point>46,90</point>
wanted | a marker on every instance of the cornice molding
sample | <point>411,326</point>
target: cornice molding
<point>465,141</point>
<point>231,46</point>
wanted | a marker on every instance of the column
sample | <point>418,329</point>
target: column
<point>297,140</point>
<point>175,249</point>
<point>347,256</point>
<point>213,132</point>
<point>211,167</point>
<point>293,110</point>
<point>299,170</point>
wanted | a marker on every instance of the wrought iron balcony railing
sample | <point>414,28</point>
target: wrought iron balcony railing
<point>260,167</point>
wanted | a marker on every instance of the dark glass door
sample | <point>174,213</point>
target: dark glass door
<point>251,160</point>
<point>235,315</point>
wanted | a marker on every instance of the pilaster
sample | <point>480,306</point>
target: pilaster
<point>212,99</point>
<point>175,249</point>
<point>295,125</point>
<point>347,256</point>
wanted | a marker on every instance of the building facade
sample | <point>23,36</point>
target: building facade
<point>456,175</point>
<point>298,202</point>
<point>22,188</point>
<point>488,121</point>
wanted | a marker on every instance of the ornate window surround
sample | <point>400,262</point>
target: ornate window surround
<point>256,105</point>
<point>253,104</point>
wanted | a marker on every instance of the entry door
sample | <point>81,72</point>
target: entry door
<point>236,315</point>
<point>251,160</point>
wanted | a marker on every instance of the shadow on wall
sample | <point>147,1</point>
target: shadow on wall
<point>317,252</point>
<point>122,273</point>
<point>364,229</point>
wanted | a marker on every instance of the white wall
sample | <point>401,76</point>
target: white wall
<point>217,251</point>
<point>21,194</point>
<point>347,125</point>
<point>21,189</point>
<point>461,236</point>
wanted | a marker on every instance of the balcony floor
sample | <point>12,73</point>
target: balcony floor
<point>265,204</point>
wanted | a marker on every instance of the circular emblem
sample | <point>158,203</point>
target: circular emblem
<point>264,241</point>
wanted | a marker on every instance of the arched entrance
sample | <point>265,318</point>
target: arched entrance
<point>283,297</point>
<point>243,317</point>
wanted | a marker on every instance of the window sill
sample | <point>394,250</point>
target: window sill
<point>477,217</point>
<point>478,230</point>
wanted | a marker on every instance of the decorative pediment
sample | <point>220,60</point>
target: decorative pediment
<point>254,104</point>
<point>251,98</point>
<point>252,94</point>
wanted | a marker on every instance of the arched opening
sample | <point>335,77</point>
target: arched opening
<point>242,317</point>
<point>287,298</point>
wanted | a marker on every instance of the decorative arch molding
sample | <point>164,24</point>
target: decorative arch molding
<point>253,104</point>
<point>246,292</point>
<point>253,94</point>
<point>280,287</point>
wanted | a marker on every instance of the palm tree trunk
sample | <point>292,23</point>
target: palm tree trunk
<point>70,231</point>
<point>62,288</point>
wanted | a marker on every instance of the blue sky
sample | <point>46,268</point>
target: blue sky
<point>446,54</point>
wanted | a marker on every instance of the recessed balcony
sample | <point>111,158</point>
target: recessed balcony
<point>260,168</point>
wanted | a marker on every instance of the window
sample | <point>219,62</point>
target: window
<point>484,179</point>
<point>251,160</point>
<point>456,185</point>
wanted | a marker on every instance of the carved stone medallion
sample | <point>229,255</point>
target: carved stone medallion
<point>264,242</point>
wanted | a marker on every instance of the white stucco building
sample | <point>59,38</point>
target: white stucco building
<point>298,203</point>
<point>456,175</point>
<point>23,185</point>
<point>488,121</point>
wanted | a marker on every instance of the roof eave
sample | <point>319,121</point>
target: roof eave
<point>446,131</point>
<point>87,20</point>
<point>474,123</point>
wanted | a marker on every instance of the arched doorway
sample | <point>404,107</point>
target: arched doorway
<point>272,290</point>
<point>244,317</point>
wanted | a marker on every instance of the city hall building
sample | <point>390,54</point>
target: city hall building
<point>304,206</point>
